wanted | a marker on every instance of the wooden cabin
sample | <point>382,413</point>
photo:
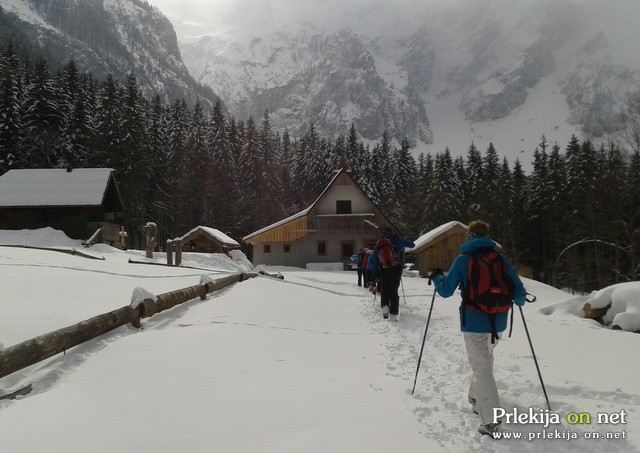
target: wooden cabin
<point>439,247</point>
<point>207,240</point>
<point>77,201</point>
<point>331,230</point>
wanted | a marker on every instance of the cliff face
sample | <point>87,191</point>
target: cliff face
<point>103,37</point>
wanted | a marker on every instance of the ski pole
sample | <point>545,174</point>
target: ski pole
<point>402,285</point>
<point>526,329</point>
<point>424,338</point>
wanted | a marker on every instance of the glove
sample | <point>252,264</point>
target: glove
<point>436,271</point>
<point>433,273</point>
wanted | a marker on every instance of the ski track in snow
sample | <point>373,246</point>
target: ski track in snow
<point>440,399</point>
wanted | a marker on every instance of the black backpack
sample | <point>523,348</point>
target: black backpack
<point>489,287</point>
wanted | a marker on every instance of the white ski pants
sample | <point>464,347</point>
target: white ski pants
<point>483,385</point>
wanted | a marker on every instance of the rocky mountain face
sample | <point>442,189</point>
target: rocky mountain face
<point>103,37</point>
<point>501,71</point>
<point>476,66</point>
<point>303,78</point>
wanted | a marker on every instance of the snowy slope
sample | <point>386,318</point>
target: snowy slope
<point>301,364</point>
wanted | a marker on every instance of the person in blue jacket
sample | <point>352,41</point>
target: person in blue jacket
<point>476,326</point>
<point>372,271</point>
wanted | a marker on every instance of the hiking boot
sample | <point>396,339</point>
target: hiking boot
<point>474,406</point>
<point>394,318</point>
<point>385,312</point>
<point>489,430</point>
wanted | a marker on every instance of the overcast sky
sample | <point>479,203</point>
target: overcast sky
<point>192,17</point>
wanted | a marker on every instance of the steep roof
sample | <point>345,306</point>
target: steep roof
<point>55,187</point>
<point>433,234</point>
<point>306,211</point>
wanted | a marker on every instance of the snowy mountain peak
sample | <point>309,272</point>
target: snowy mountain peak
<point>301,78</point>
<point>445,74</point>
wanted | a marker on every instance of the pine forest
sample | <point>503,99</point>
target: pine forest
<point>573,222</point>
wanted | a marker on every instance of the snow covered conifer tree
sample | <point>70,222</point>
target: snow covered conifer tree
<point>474,182</point>
<point>11,127</point>
<point>42,118</point>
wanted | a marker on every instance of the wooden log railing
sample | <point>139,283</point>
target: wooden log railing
<point>32,351</point>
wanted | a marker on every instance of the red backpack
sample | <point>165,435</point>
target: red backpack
<point>386,253</point>
<point>489,287</point>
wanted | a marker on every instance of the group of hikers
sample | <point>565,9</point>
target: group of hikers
<point>489,286</point>
<point>380,270</point>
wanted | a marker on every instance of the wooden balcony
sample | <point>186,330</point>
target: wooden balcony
<point>344,224</point>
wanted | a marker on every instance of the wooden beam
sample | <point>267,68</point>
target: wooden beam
<point>32,351</point>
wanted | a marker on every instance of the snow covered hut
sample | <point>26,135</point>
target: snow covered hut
<point>331,230</point>
<point>207,240</point>
<point>77,201</point>
<point>439,247</point>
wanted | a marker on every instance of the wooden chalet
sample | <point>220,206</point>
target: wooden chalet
<point>207,240</point>
<point>331,230</point>
<point>439,247</point>
<point>78,202</point>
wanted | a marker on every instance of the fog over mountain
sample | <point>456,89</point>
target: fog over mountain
<point>443,73</point>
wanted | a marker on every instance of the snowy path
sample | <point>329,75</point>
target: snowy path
<point>301,364</point>
<point>440,397</point>
<point>439,403</point>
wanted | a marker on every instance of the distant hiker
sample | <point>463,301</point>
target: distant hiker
<point>362,267</point>
<point>479,328</point>
<point>390,254</point>
<point>372,271</point>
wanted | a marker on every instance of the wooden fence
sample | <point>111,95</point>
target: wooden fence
<point>32,351</point>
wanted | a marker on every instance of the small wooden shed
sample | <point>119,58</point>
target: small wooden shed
<point>77,201</point>
<point>439,247</point>
<point>207,240</point>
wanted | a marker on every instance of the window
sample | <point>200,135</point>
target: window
<point>266,248</point>
<point>286,248</point>
<point>347,249</point>
<point>321,248</point>
<point>343,207</point>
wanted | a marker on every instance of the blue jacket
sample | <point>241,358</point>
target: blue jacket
<point>372,263</point>
<point>446,286</point>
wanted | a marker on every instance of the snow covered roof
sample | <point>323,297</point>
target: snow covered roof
<point>431,235</point>
<point>54,187</point>
<point>277,224</point>
<point>217,234</point>
<point>297,215</point>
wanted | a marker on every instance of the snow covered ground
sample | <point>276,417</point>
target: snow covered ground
<point>301,364</point>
